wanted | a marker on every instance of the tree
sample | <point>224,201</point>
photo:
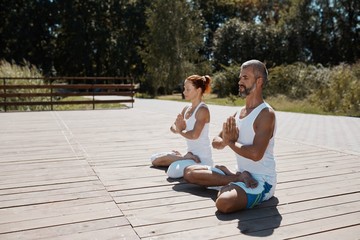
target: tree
<point>172,43</point>
<point>260,13</point>
<point>129,25</point>
<point>99,37</point>
<point>237,41</point>
<point>322,31</point>
<point>83,37</point>
<point>336,36</point>
<point>347,14</point>
<point>26,32</point>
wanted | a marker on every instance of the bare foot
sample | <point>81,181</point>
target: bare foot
<point>176,153</point>
<point>249,181</point>
<point>190,155</point>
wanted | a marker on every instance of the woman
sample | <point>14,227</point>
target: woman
<point>193,125</point>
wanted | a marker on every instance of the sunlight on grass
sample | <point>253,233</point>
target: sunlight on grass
<point>279,103</point>
<point>283,103</point>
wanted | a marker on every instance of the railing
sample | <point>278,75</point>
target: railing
<point>50,91</point>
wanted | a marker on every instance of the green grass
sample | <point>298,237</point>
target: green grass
<point>279,103</point>
<point>282,103</point>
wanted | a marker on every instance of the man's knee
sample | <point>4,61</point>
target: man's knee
<point>191,173</point>
<point>227,202</point>
<point>223,205</point>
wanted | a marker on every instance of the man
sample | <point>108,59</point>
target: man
<point>250,134</point>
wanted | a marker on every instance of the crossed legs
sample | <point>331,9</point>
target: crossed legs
<point>231,197</point>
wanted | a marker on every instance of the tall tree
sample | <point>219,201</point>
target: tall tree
<point>237,41</point>
<point>26,32</point>
<point>347,14</point>
<point>128,28</point>
<point>172,43</point>
<point>337,32</point>
<point>100,37</point>
<point>82,37</point>
<point>322,31</point>
<point>295,23</point>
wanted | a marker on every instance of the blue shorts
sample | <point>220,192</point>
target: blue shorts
<point>255,196</point>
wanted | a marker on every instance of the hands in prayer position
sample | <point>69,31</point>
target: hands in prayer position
<point>179,124</point>
<point>230,132</point>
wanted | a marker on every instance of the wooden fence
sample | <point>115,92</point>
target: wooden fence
<point>50,91</point>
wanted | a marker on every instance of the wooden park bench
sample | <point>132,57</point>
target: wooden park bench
<point>48,91</point>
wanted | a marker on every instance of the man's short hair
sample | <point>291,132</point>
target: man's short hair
<point>259,69</point>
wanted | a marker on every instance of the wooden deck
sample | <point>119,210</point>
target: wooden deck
<point>87,175</point>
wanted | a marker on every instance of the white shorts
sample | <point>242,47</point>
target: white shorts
<point>176,169</point>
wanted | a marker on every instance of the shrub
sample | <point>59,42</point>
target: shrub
<point>225,82</point>
<point>340,93</point>
<point>335,90</point>
<point>296,81</point>
<point>9,70</point>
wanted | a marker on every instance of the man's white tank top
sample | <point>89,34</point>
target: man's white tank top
<point>201,146</point>
<point>266,166</point>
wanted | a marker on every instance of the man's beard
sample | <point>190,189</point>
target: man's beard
<point>244,92</point>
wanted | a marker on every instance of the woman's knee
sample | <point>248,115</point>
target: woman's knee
<point>174,171</point>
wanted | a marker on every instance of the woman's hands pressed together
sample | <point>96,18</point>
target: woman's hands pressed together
<point>179,124</point>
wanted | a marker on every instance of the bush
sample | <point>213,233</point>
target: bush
<point>225,82</point>
<point>10,70</point>
<point>335,90</point>
<point>340,93</point>
<point>296,81</point>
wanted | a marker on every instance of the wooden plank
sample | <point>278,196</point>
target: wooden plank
<point>48,187</point>
<point>17,95</point>
<point>76,79</point>
<point>50,191</point>
<point>140,217</point>
<point>67,94</point>
<point>254,215</point>
<point>67,86</point>
<point>47,103</point>
<point>125,232</point>
<point>349,233</point>
<point>68,229</point>
<point>48,182</point>
<point>80,175</point>
<point>147,197</point>
<point>60,219</point>
<point>288,228</point>
<point>51,198</point>
<point>50,212</point>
